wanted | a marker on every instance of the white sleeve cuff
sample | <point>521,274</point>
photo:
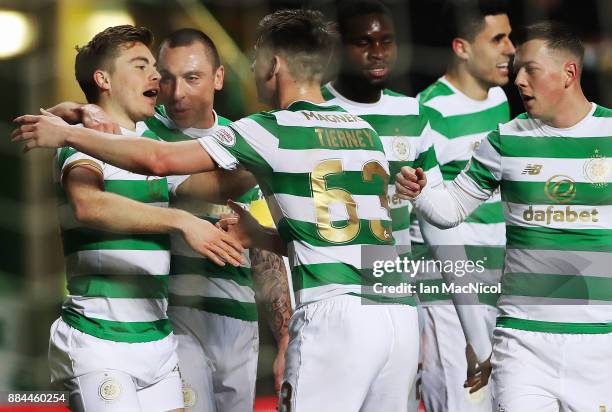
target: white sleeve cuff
<point>219,154</point>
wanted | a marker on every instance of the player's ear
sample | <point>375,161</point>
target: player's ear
<point>219,77</point>
<point>571,72</point>
<point>102,80</point>
<point>276,63</point>
<point>461,48</point>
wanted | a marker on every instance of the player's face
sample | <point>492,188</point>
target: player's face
<point>188,83</point>
<point>490,52</point>
<point>539,78</point>
<point>135,81</point>
<point>263,68</point>
<point>369,48</point>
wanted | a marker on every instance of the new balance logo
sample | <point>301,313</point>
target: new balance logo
<point>532,169</point>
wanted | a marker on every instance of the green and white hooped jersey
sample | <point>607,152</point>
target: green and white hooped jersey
<point>556,188</point>
<point>402,129</point>
<point>195,281</point>
<point>458,125</point>
<point>117,282</point>
<point>324,174</point>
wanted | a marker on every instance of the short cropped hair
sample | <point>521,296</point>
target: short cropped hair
<point>303,37</point>
<point>466,18</point>
<point>557,36</point>
<point>188,36</point>
<point>347,9</point>
<point>101,52</point>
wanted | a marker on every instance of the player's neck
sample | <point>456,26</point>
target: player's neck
<point>117,113</point>
<point>467,84</point>
<point>206,120</point>
<point>570,111</point>
<point>357,90</point>
<point>309,91</point>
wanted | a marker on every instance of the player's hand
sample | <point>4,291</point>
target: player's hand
<point>477,373</point>
<point>241,225</point>
<point>212,242</point>
<point>69,111</point>
<point>44,130</point>
<point>410,182</point>
<point>93,117</point>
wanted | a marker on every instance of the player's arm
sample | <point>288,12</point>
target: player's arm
<point>272,289</point>
<point>143,156</point>
<point>448,206</point>
<point>95,208</point>
<point>217,186</point>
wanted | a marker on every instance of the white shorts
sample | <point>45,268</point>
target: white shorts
<point>218,360</point>
<point>104,375</point>
<point>551,372</point>
<point>444,366</point>
<point>348,356</point>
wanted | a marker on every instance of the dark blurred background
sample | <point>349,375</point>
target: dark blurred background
<point>37,40</point>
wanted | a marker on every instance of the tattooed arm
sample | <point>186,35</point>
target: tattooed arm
<point>272,290</point>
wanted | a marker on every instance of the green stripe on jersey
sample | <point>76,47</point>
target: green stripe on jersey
<point>487,213</point>
<point>299,184</point>
<point>119,286</point>
<point>389,125</point>
<point>233,308</point>
<point>307,232</point>
<point>557,286</point>
<point>483,121</point>
<point>538,237</point>
<point>87,239</point>
<point>147,191</point>
<point>556,147</point>
<point>183,265</point>
<point>130,332</point>
<point>565,192</point>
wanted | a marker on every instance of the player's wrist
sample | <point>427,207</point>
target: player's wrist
<point>71,136</point>
<point>181,221</point>
<point>421,195</point>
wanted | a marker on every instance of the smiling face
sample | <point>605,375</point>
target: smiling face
<point>540,78</point>
<point>134,81</point>
<point>488,55</point>
<point>188,83</point>
<point>369,50</point>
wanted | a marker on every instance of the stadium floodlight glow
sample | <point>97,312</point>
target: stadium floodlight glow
<point>16,33</point>
<point>102,19</point>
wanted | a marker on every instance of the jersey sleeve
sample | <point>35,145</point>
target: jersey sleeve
<point>67,158</point>
<point>483,172</point>
<point>235,144</point>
